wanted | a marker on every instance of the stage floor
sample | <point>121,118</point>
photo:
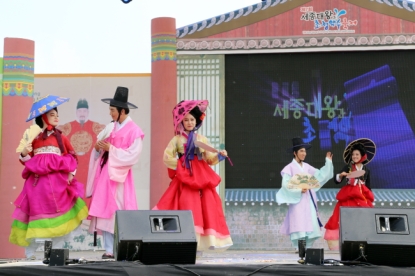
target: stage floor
<point>227,257</point>
<point>230,262</point>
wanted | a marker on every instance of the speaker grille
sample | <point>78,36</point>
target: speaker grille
<point>391,255</point>
<point>155,237</point>
<point>169,252</point>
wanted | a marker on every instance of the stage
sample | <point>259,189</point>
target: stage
<point>231,262</point>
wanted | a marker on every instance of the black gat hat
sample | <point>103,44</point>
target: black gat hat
<point>120,99</point>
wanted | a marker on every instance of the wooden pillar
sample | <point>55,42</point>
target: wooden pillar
<point>163,100</point>
<point>17,99</point>
<point>1,98</point>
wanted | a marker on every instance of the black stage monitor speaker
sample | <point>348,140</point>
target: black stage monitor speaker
<point>314,256</point>
<point>58,257</point>
<point>378,235</point>
<point>155,237</point>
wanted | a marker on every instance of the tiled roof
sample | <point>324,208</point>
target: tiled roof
<point>402,9</point>
<point>264,5</point>
<point>227,17</point>
<point>401,4</point>
<point>390,197</point>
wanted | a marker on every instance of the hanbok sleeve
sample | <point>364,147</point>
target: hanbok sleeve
<point>324,174</point>
<point>337,179</point>
<point>211,158</point>
<point>103,134</point>
<point>24,159</point>
<point>121,160</point>
<point>170,154</point>
<point>286,195</point>
<point>70,150</point>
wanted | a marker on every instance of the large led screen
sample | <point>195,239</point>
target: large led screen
<point>329,99</point>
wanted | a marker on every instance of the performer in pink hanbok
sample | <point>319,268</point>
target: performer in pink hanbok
<point>194,182</point>
<point>110,179</point>
<point>50,205</point>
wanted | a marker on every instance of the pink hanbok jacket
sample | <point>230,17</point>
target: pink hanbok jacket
<point>102,183</point>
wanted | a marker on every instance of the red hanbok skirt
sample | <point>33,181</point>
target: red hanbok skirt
<point>349,195</point>
<point>197,192</point>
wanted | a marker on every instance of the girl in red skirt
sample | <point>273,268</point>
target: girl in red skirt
<point>357,192</point>
<point>194,182</point>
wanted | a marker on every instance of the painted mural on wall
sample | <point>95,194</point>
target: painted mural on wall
<point>82,133</point>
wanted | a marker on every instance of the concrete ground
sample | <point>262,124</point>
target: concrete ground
<point>227,257</point>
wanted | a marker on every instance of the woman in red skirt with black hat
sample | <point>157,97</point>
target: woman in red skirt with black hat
<point>357,192</point>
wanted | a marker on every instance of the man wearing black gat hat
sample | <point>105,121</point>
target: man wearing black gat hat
<point>300,181</point>
<point>117,150</point>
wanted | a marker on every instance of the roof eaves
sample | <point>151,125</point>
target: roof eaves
<point>238,18</point>
<point>397,8</point>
